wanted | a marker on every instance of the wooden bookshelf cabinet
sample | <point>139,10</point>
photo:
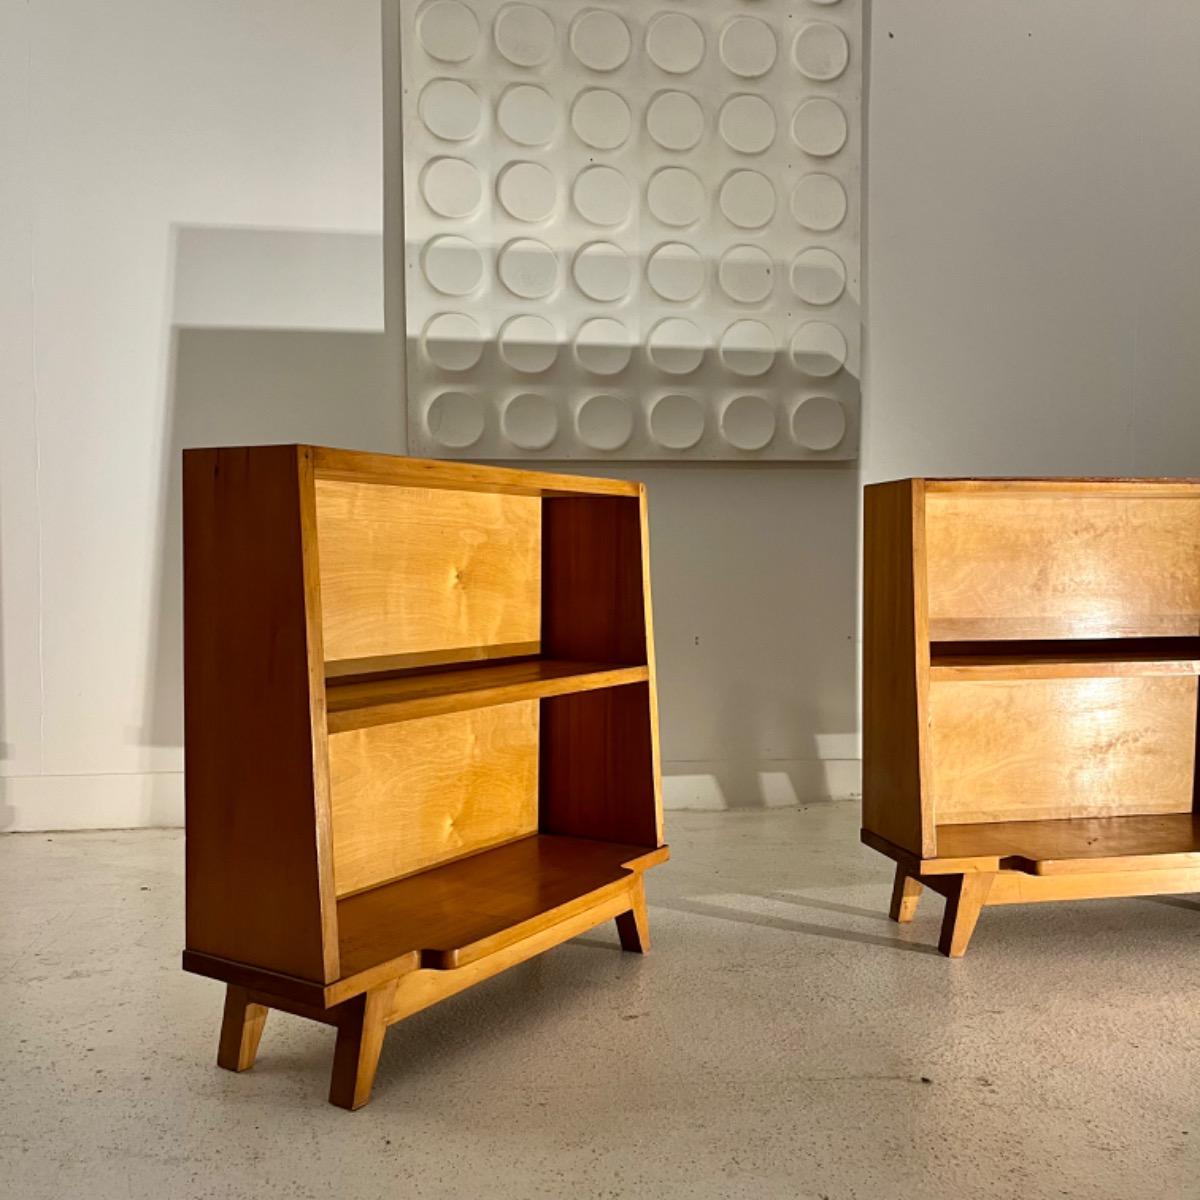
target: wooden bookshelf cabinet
<point>421,731</point>
<point>1030,665</point>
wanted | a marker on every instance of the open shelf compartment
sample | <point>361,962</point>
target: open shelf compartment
<point>457,913</point>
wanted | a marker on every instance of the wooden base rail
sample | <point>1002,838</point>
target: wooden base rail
<point>362,1020</point>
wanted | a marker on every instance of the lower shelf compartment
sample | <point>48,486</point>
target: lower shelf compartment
<point>1078,845</point>
<point>458,913</point>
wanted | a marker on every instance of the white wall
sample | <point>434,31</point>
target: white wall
<point>1033,266</point>
<point>127,128</point>
<point>1033,289</point>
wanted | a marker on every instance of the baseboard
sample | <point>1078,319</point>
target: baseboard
<point>47,802</point>
<point>720,785</point>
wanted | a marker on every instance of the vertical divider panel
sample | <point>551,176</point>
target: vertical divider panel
<point>897,804</point>
<point>598,760</point>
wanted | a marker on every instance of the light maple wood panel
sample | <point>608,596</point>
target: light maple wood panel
<point>1046,748</point>
<point>1062,565</point>
<point>414,794</point>
<point>409,571</point>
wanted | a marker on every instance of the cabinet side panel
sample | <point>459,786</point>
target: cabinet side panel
<point>254,866</point>
<point>593,606</point>
<point>895,666</point>
<point>597,766</point>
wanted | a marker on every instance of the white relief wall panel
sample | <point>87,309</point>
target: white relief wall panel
<point>632,231</point>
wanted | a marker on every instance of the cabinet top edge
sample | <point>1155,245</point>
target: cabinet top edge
<point>362,466</point>
<point>1079,484</point>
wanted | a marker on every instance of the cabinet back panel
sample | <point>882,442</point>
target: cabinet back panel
<point>412,575</point>
<point>410,795</point>
<point>1062,566</point>
<point>1050,748</point>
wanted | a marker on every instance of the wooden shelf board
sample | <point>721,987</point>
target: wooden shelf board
<point>357,705</point>
<point>1080,628</point>
<point>1077,845</point>
<point>1065,659</point>
<point>461,912</point>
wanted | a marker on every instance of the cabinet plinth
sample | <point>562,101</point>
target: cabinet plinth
<point>421,732</point>
<point>1030,669</point>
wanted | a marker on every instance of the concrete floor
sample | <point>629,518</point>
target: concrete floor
<point>782,1040</point>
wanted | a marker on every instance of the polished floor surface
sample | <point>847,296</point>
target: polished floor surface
<point>783,1039</point>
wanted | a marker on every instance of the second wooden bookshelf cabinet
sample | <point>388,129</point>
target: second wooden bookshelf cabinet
<point>421,731</point>
<point>1030,664</point>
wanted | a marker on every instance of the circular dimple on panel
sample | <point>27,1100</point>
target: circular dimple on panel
<point>821,51</point>
<point>529,421</point>
<point>601,118</point>
<point>819,127</point>
<point>675,121</point>
<point>676,272</point>
<point>528,268</point>
<point>819,349</point>
<point>455,420</point>
<point>675,196</point>
<point>746,274</point>
<point>526,191</point>
<point>448,31</point>
<point>450,109</point>
<point>675,43</point>
<point>602,271</point>
<point>600,40</point>
<point>528,344</point>
<point>748,199</point>
<point>527,115</point>
<point>819,423</point>
<point>748,47</point>
<point>819,202</point>
<point>747,123</point>
<point>602,195</point>
<point>748,348</point>
<point>524,35</point>
<point>676,346</point>
<point>452,265</point>
<point>604,422</point>
<point>748,422</point>
<point>453,341</point>
<point>451,187</point>
<point>676,422</point>
<point>603,346</point>
<point>818,276</point>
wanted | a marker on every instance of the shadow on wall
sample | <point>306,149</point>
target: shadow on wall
<point>276,336</point>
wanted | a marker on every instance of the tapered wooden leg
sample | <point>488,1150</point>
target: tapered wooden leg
<point>241,1029</point>
<point>906,893</point>
<point>633,926</point>
<point>964,901</point>
<point>359,1041</point>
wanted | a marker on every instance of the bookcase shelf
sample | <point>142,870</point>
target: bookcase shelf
<point>1030,672</point>
<point>421,732</point>
<point>358,704</point>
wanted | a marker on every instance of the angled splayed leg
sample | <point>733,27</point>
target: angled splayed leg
<point>633,926</point>
<point>359,1040</point>
<point>241,1029</point>
<point>965,898</point>
<point>906,894</point>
